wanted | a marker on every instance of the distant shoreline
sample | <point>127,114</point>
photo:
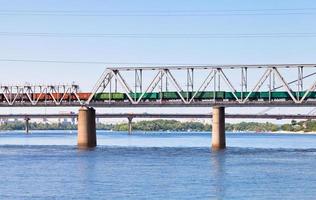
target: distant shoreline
<point>301,127</point>
<point>170,132</point>
<point>278,132</point>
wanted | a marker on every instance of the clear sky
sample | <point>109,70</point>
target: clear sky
<point>20,17</point>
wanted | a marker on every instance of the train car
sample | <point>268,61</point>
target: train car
<point>281,95</point>
<point>108,96</point>
<point>101,96</point>
<point>175,95</point>
<point>275,95</point>
<point>71,96</point>
<point>68,96</point>
<point>150,96</point>
<point>83,96</point>
<point>265,96</point>
<point>243,95</point>
<point>209,95</point>
<point>16,97</point>
<point>170,95</point>
<point>118,96</point>
<point>186,95</point>
<point>57,96</point>
<point>311,95</point>
<point>39,96</point>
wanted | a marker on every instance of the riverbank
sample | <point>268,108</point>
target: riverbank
<point>302,127</point>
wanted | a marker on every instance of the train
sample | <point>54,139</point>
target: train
<point>154,96</point>
<point>206,95</point>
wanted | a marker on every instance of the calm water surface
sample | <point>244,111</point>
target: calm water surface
<point>47,165</point>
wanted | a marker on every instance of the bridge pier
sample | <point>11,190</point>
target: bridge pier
<point>27,125</point>
<point>130,125</point>
<point>86,128</point>
<point>218,128</point>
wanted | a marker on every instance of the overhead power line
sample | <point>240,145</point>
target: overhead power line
<point>160,35</point>
<point>91,62</point>
<point>148,63</point>
<point>227,12</point>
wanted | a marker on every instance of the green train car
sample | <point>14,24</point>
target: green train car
<point>205,95</point>
<point>107,96</point>
<point>210,95</point>
<point>241,95</point>
<point>147,96</point>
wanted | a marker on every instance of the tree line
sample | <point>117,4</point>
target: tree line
<point>171,125</point>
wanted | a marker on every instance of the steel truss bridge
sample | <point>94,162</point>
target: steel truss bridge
<point>271,85</point>
<point>217,86</point>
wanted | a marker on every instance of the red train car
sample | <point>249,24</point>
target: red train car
<point>42,97</point>
<point>84,96</point>
<point>14,96</point>
<point>60,96</point>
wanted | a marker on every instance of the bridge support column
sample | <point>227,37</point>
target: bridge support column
<point>218,128</point>
<point>27,125</point>
<point>86,128</point>
<point>130,125</point>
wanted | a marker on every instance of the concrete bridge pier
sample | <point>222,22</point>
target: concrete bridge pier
<point>86,128</point>
<point>27,125</point>
<point>218,128</point>
<point>130,125</point>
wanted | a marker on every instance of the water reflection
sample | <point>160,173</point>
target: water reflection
<point>218,159</point>
<point>86,171</point>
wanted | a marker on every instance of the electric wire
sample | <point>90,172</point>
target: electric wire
<point>160,35</point>
<point>128,13</point>
<point>91,62</point>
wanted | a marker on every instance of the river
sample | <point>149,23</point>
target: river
<point>47,165</point>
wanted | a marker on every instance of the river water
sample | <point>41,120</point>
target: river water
<point>47,165</point>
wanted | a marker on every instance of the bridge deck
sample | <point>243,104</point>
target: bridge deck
<point>171,116</point>
<point>167,104</point>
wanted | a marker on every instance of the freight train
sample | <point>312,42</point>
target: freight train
<point>207,95</point>
<point>153,96</point>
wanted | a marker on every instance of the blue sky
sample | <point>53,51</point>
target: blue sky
<point>139,50</point>
<point>147,50</point>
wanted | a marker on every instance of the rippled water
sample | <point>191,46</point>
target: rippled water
<point>48,165</point>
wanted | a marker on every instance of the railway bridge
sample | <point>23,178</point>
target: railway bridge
<point>210,86</point>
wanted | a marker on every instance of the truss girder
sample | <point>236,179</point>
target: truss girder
<point>35,94</point>
<point>206,79</point>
